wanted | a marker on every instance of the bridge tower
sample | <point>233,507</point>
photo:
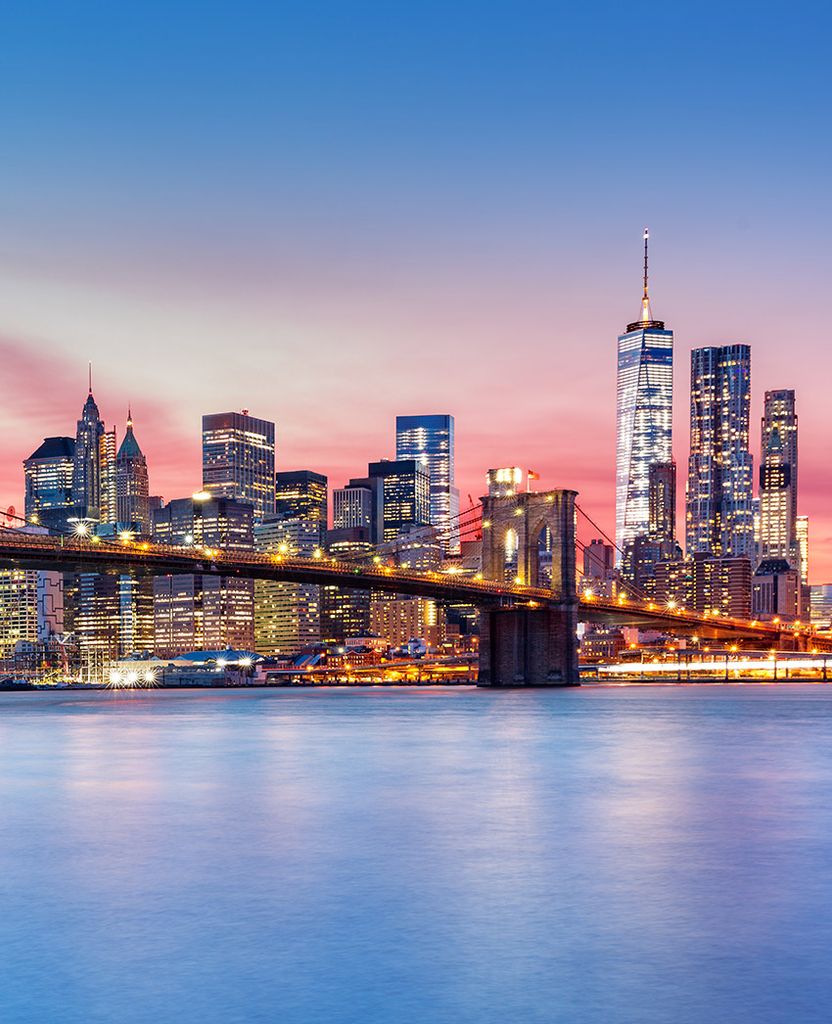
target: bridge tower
<point>530,539</point>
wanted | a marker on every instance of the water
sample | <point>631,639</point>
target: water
<point>651,854</point>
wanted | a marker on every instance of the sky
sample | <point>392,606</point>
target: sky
<point>331,213</point>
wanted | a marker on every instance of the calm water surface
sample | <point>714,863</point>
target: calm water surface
<point>602,855</point>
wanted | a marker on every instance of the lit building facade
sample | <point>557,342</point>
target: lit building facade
<point>107,505</point>
<point>661,489</point>
<point>238,459</point>
<point>346,613</point>
<point>399,618</point>
<point>405,490</point>
<point>31,607</point>
<point>802,530</point>
<point>132,487</point>
<point>302,494</point>
<point>778,479</point>
<point>203,612</point>
<point>48,474</point>
<point>719,514</point>
<point>286,615</point>
<point>429,440</point>
<point>356,506</point>
<point>86,475</point>
<point>644,416</point>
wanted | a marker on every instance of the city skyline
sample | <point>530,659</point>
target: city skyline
<point>363,255</point>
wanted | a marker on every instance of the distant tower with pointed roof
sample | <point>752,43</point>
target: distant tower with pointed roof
<point>644,416</point>
<point>86,470</point>
<point>131,482</point>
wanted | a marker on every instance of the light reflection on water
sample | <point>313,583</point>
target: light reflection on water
<point>598,855</point>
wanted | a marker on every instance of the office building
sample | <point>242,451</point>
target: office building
<point>107,503</point>
<point>661,491</point>
<point>238,459</point>
<point>644,416</point>
<point>429,440</point>
<point>286,615</point>
<point>802,531</point>
<point>302,494</point>
<point>776,591</point>
<point>405,495</point>
<point>86,476</point>
<point>820,603</point>
<point>48,474</point>
<point>399,618</point>
<point>31,607</point>
<point>203,612</point>
<point>720,517</point>
<point>132,488</point>
<point>346,613</point>
<point>778,479</point>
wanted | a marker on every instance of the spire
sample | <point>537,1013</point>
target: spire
<point>129,446</point>
<point>646,315</point>
<point>89,368</point>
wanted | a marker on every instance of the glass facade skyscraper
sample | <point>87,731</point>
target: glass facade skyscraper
<point>49,473</point>
<point>720,513</point>
<point>238,459</point>
<point>778,479</point>
<point>430,441</point>
<point>405,489</point>
<point>644,416</point>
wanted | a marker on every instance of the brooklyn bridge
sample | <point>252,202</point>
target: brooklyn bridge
<point>528,614</point>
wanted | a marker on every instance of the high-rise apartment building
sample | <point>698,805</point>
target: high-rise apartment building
<point>238,459</point>
<point>644,416</point>
<point>778,479</point>
<point>405,495</point>
<point>48,474</point>
<point>720,516</point>
<point>132,488</point>
<point>429,440</point>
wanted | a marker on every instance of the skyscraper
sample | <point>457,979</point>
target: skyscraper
<point>132,487</point>
<point>662,501</point>
<point>286,615</point>
<point>107,506</point>
<point>720,516</point>
<point>207,611</point>
<point>86,474</point>
<point>778,479</point>
<point>238,459</point>
<point>405,488</point>
<point>430,441</point>
<point>48,474</point>
<point>644,415</point>
<point>302,494</point>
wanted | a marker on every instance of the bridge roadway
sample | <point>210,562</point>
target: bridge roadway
<point>20,550</point>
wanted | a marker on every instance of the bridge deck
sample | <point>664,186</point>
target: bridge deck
<point>135,557</point>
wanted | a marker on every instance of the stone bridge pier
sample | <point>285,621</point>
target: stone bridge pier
<point>530,539</point>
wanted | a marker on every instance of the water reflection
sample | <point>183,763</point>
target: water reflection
<point>603,855</point>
